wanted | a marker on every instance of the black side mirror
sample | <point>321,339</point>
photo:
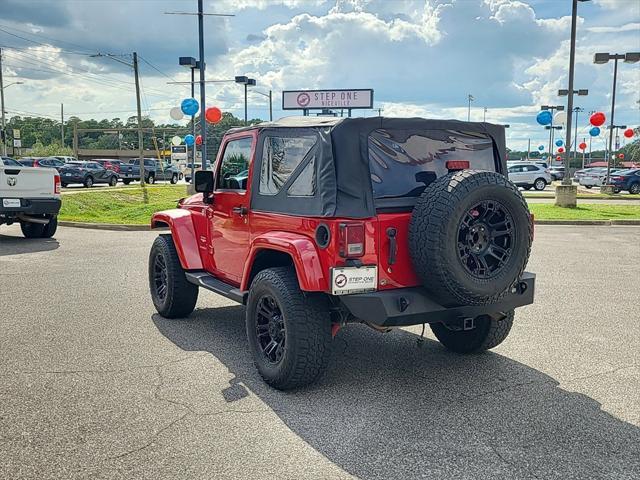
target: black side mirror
<point>203,182</point>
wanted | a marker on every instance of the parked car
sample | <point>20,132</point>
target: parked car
<point>557,173</point>
<point>579,173</point>
<point>65,158</point>
<point>109,164</point>
<point>29,196</point>
<point>30,161</point>
<point>87,173</point>
<point>596,177</point>
<point>154,171</point>
<point>51,162</point>
<point>528,174</point>
<point>626,180</point>
<point>417,228</point>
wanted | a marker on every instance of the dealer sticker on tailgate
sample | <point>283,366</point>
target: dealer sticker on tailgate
<point>353,280</point>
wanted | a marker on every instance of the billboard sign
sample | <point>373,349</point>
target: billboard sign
<point>312,99</point>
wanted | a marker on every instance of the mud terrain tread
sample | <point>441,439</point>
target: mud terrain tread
<point>308,330</point>
<point>427,238</point>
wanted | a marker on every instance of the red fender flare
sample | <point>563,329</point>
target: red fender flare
<point>184,235</point>
<point>301,249</point>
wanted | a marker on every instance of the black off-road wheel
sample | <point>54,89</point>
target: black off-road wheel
<point>488,333</point>
<point>289,331</point>
<point>32,230</point>
<point>470,237</point>
<point>50,228</point>
<point>172,295</point>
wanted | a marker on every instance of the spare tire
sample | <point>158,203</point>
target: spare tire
<point>470,237</point>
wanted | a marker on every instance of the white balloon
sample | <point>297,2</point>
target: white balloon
<point>176,113</point>
<point>176,140</point>
<point>560,118</point>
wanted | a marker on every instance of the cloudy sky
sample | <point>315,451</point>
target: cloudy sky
<point>422,57</point>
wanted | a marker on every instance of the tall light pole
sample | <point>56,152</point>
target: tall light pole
<point>194,65</point>
<point>270,97</point>
<point>247,82</point>
<point>470,98</point>
<point>602,58</point>
<point>484,116</point>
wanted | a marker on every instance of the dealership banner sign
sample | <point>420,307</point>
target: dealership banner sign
<point>318,99</point>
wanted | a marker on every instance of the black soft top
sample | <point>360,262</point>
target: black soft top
<point>342,160</point>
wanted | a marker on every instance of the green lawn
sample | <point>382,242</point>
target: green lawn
<point>135,205</point>
<point>123,206</point>
<point>585,211</point>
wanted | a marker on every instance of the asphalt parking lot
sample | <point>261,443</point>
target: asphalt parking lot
<point>93,384</point>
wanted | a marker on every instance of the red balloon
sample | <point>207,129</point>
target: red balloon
<point>628,132</point>
<point>560,149</point>
<point>213,115</point>
<point>621,156</point>
<point>597,119</point>
<point>582,146</point>
<point>558,158</point>
<point>198,139</point>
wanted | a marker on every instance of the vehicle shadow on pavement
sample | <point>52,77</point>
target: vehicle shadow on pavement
<point>387,408</point>
<point>10,245</point>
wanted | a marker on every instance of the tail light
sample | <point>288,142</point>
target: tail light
<point>56,184</point>
<point>457,164</point>
<point>36,163</point>
<point>351,240</point>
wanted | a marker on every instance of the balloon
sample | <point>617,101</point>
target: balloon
<point>176,113</point>
<point>621,156</point>
<point>189,140</point>
<point>594,132</point>
<point>559,143</point>
<point>560,149</point>
<point>558,158</point>
<point>198,139</point>
<point>597,119</point>
<point>628,132</point>
<point>213,115</point>
<point>189,106</point>
<point>541,147</point>
<point>582,146</point>
<point>560,118</point>
<point>544,117</point>
<point>176,141</point>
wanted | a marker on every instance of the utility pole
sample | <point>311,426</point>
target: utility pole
<point>140,139</point>
<point>528,147</point>
<point>470,99</point>
<point>270,106</point>
<point>4,132</point>
<point>484,119</point>
<point>203,121</point>
<point>62,124</point>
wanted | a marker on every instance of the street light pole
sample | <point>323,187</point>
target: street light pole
<point>4,133</point>
<point>470,99</point>
<point>140,139</point>
<point>572,57</point>
<point>203,121</point>
<point>245,103</point>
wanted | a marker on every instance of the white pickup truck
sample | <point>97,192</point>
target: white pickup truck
<point>30,196</point>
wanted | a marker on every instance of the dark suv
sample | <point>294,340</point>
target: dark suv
<point>315,223</point>
<point>87,173</point>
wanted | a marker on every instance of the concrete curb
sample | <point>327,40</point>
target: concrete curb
<point>144,228</point>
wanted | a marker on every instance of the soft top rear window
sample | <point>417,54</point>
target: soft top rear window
<point>403,162</point>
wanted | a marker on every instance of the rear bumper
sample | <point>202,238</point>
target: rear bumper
<point>413,306</point>
<point>33,206</point>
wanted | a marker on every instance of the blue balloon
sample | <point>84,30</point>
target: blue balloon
<point>541,147</point>
<point>189,140</point>
<point>189,106</point>
<point>594,132</point>
<point>559,143</point>
<point>544,117</point>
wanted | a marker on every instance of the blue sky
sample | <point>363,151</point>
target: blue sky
<point>421,57</point>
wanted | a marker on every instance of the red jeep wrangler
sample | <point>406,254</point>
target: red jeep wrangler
<point>313,223</point>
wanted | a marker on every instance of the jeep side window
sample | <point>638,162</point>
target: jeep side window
<point>234,167</point>
<point>281,156</point>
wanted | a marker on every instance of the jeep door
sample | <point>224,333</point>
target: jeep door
<point>228,214</point>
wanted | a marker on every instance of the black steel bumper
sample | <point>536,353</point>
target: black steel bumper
<point>33,206</point>
<point>413,306</point>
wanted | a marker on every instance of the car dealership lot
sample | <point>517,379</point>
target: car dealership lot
<point>95,384</point>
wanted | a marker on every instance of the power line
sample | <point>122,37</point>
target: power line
<point>82,47</point>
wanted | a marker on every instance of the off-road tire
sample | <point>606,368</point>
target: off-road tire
<point>88,182</point>
<point>50,228</point>
<point>181,296</point>
<point>540,184</point>
<point>488,333</point>
<point>126,181</point>
<point>32,230</point>
<point>307,325</point>
<point>434,230</point>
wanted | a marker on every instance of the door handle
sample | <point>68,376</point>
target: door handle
<point>242,211</point>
